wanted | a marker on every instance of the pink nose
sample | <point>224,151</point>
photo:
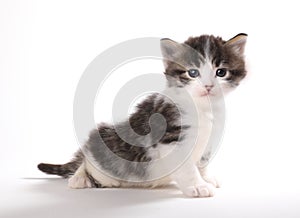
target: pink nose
<point>208,87</point>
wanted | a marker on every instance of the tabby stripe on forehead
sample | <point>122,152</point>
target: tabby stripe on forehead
<point>216,60</point>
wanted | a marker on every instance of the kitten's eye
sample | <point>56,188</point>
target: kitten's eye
<point>221,72</point>
<point>193,73</point>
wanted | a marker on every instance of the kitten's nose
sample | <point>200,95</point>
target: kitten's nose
<point>208,87</point>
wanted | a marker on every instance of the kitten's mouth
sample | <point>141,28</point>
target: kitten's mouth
<point>206,94</point>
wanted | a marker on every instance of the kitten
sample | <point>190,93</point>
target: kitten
<point>205,67</point>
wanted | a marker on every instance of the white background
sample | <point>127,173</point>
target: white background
<point>46,45</point>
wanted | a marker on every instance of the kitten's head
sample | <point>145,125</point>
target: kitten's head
<point>205,65</point>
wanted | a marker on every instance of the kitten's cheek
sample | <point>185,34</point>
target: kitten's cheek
<point>226,89</point>
<point>198,91</point>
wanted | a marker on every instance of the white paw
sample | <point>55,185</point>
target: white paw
<point>202,191</point>
<point>79,182</point>
<point>212,180</point>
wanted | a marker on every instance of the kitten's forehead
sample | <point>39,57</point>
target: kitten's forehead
<point>191,58</point>
<point>210,48</point>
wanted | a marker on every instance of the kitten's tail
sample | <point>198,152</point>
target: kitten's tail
<point>64,170</point>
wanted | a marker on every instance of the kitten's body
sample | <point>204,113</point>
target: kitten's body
<point>94,166</point>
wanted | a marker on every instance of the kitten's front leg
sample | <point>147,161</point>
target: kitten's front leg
<point>190,181</point>
<point>207,177</point>
<point>202,164</point>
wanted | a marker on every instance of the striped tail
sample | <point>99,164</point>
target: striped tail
<point>64,170</point>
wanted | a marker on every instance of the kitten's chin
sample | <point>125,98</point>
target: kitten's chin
<point>206,94</point>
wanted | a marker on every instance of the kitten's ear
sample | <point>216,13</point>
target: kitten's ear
<point>171,50</point>
<point>169,47</point>
<point>237,43</point>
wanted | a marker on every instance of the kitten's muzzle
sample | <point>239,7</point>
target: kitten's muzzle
<point>208,87</point>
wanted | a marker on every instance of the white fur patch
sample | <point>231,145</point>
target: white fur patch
<point>80,179</point>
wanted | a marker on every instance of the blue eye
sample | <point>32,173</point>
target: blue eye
<point>221,72</point>
<point>193,73</point>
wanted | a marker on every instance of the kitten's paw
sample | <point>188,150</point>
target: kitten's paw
<point>212,180</point>
<point>200,191</point>
<point>77,182</point>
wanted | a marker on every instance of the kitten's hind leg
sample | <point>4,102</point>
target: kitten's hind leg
<point>80,179</point>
